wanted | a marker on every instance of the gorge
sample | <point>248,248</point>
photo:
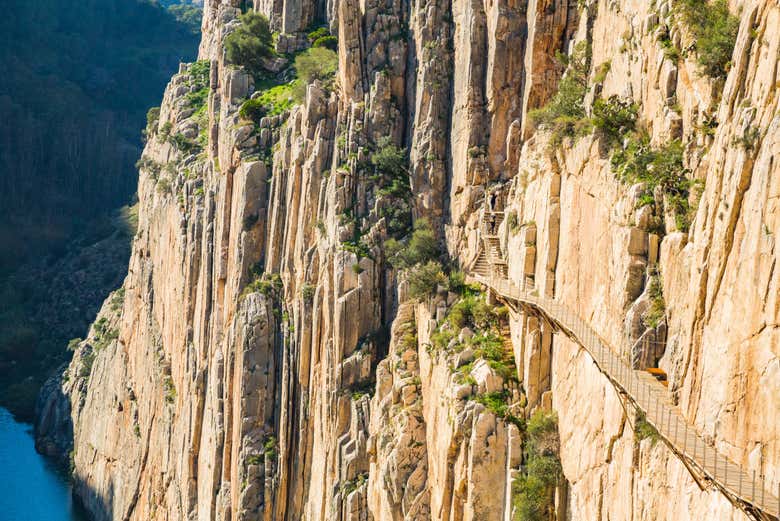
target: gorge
<point>428,259</point>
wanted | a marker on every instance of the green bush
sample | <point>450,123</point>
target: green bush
<point>73,343</point>
<point>269,447</point>
<point>319,32</point>
<point>614,118</point>
<point>351,485</point>
<point>329,42</point>
<point>280,98</point>
<point>104,335</point>
<point>165,130</point>
<point>87,361</point>
<point>714,30</point>
<point>657,167</point>
<point>656,313</point>
<point>199,73</point>
<point>307,292</point>
<point>197,99</point>
<point>169,389</point>
<point>252,110</point>
<point>389,159</point>
<point>496,401</point>
<point>268,284</point>
<point>392,178</point>
<point>318,63</point>
<point>644,429</point>
<point>425,278</point>
<point>251,43</point>
<point>472,311</point>
<point>152,119</point>
<point>422,247</point>
<point>533,491</point>
<point>564,115</point>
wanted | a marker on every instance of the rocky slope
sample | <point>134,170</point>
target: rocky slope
<point>266,361</point>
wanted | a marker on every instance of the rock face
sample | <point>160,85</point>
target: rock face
<point>212,392</point>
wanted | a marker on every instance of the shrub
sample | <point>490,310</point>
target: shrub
<point>278,99</point>
<point>199,73</point>
<point>564,115</point>
<point>602,71</point>
<point>472,311</point>
<point>73,344</point>
<point>169,389</point>
<point>657,167</point>
<point>656,313</point>
<point>425,278</point>
<point>457,282</point>
<point>307,292</point>
<point>512,222</point>
<point>533,491</point>
<point>268,284</point>
<point>319,32</point>
<point>389,159</point>
<point>422,247</point>
<point>87,362</point>
<point>392,176</point>
<point>714,30</point>
<point>252,110</point>
<point>251,43</point>
<point>644,429</point>
<point>118,299</point>
<point>351,485</point>
<point>269,447</point>
<point>317,63</point>
<point>152,119</point>
<point>165,130</point>
<point>104,335</point>
<point>614,118</point>
<point>328,42</point>
<point>197,99</point>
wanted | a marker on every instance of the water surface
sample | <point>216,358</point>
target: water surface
<point>31,488</point>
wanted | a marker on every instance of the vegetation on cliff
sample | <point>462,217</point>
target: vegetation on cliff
<point>533,490</point>
<point>714,31</point>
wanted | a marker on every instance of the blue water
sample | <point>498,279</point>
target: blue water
<point>31,488</point>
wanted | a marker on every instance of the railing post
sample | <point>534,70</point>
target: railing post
<point>668,421</point>
<point>740,482</point>
<point>763,494</point>
<point>753,493</point>
<point>704,456</point>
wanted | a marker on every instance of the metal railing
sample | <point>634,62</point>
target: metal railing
<point>748,491</point>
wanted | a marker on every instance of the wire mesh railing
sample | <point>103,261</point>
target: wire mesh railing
<point>646,393</point>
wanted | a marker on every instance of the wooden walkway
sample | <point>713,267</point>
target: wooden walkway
<point>746,490</point>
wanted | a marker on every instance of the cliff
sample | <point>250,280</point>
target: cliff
<point>272,356</point>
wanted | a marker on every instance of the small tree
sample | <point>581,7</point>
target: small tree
<point>714,29</point>
<point>251,44</point>
<point>425,278</point>
<point>422,247</point>
<point>388,158</point>
<point>614,118</point>
<point>318,63</point>
<point>564,115</point>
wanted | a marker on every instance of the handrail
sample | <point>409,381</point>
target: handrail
<point>647,395</point>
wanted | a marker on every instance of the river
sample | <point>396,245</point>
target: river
<point>31,488</point>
